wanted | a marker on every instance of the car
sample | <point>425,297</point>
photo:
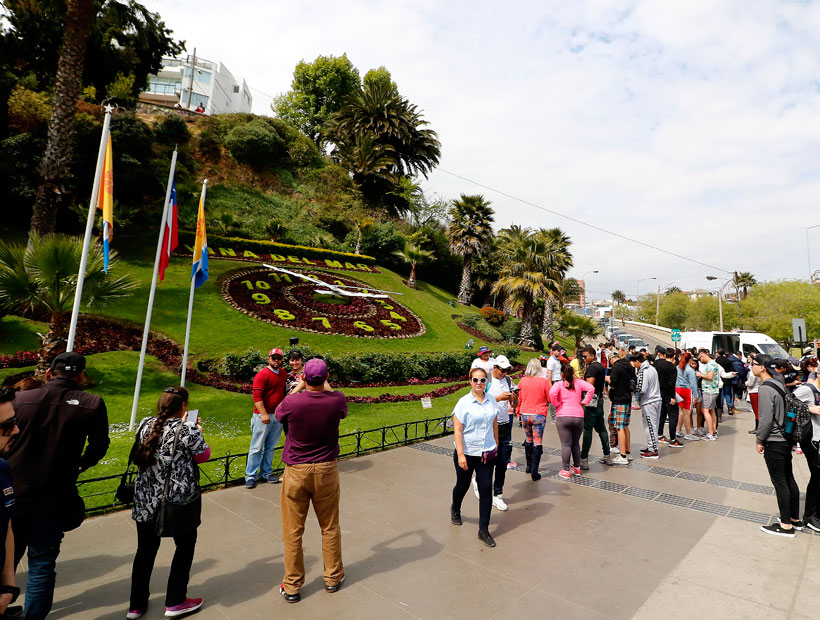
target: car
<point>622,338</point>
<point>638,343</point>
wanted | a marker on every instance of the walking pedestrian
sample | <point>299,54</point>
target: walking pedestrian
<point>63,432</point>
<point>570,396</point>
<point>621,388</point>
<point>649,397</point>
<point>595,375</point>
<point>475,425</point>
<point>268,391</point>
<point>776,449</point>
<point>533,399</point>
<point>311,421</point>
<point>667,379</point>
<point>167,450</point>
<point>501,388</point>
<point>686,388</point>
<point>710,391</point>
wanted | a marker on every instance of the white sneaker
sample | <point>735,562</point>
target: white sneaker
<point>615,450</point>
<point>679,434</point>
<point>499,503</point>
<point>475,488</point>
<point>692,437</point>
<point>620,460</point>
<point>710,437</point>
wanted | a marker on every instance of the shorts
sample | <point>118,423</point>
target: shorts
<point>686,395</point>
<point>709,400</point>
<point>621,414</point>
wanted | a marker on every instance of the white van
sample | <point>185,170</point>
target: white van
<point>747,342</point>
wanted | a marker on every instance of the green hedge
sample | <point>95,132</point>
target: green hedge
<point>271,247</point>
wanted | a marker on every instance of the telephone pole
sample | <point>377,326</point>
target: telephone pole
<point>191,81</point>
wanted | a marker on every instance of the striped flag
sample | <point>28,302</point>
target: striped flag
<point>200,268</point>
<point>106,203</point>
<point>170,233</point>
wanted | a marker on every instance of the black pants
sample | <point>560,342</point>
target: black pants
<point>594,420</point>
<point>504,455</point>
<point>813,488</point>
<point>484,479</point>
<point>778,457</point>
<point>668,411</point>
<point>147,547</point>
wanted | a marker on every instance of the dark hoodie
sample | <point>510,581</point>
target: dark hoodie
<point>621,383</point>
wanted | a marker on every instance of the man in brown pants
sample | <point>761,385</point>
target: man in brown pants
<point>311,423</point>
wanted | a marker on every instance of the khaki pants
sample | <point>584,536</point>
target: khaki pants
<point>301,485</point>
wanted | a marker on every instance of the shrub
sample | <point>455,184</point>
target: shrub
<point>492,316</point>
<point>172,130</point>
<point>28,109</point>
<point>210,144</point>
<point>241,366</point>
<point>255,143</point>
<point>122,89</point>
<point>471,320</point>
<point>510,328</point>
<point>303,152</point>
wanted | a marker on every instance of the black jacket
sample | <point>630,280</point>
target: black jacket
<point>667,377</point>
<point>55,421</point>
<point>621,383</point>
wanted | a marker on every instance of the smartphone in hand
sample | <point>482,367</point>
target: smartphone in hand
<point>193,415</point>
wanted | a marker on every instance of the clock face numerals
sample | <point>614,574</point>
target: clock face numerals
<point>291,302</point>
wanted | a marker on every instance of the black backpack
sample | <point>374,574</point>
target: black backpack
<point>800,412</point>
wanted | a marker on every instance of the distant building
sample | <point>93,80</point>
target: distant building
<point>215,88</point>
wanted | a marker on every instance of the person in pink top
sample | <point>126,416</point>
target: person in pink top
<point>570,396</point>
<point>533,401</point>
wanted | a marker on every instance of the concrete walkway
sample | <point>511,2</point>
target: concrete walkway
<point>673,538</point>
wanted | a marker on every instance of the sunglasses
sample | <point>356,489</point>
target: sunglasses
<point>8,425</point>
<point>501,369</point>
<point>276,357</point>
<point>479,380</point>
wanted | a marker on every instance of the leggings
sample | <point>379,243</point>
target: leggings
<point>534,427</point>
<point>778,457</point>
<point>753,400</point>
<point>484,480</point>
<point>569,432</point>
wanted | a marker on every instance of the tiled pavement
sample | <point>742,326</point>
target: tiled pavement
<point>672,538</point>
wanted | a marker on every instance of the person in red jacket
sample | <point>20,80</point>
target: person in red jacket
<point>268,392</point>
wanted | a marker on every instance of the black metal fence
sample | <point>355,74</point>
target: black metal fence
<point>229,470</point>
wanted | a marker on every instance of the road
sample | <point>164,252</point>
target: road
<point>650,336</point>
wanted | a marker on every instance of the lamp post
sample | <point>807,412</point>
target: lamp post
<point>638,285</point>
<point>808,249</point>
<point>720,297</point>
<point>583,279</point>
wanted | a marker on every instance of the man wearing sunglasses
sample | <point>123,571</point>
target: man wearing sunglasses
<point>268,392</point>
<point>8,433</point>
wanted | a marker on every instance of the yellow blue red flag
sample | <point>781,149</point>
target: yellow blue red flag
<point>106,203</point>
<point>200,268</point>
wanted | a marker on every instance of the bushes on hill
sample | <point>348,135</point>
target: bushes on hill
<point>255,143</point>
<point>492,316</point>
<point>477,322</point>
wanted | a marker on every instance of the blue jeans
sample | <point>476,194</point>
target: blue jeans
<point>264,438</point>
<point>726,396</point>
<point>38,529</point>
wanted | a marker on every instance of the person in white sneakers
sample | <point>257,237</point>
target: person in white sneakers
<point>710,391</point>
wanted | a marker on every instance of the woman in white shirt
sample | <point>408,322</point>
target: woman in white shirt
<point>475,422</point>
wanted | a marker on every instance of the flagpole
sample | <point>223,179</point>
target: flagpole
<point>147,327</point>
<point>190,307</point>
<point>89,226</point>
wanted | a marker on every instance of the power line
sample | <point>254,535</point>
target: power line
<point>583,223</point>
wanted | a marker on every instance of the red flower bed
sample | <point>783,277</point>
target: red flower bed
<point>477,334</point>
<point>18,360</point>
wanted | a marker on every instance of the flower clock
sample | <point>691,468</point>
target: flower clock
<point>290,302</point>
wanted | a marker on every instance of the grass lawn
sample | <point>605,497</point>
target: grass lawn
<point>17,334</point>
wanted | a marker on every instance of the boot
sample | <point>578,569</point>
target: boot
<point>754,432</point>
<point>528,454</point>
<point>536,461</point>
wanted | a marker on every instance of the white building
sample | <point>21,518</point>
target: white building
<point>214,87</point>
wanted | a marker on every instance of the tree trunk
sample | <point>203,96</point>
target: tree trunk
<point>528,324</point>
<point>358,239</point>
<point>412,281</point>
<point>53,168</point>
<point>464,291</point>
<point>53,343</point>
<point>547,331</point>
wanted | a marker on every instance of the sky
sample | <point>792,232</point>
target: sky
<point>693,126</point>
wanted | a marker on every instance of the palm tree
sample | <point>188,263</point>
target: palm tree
<point>41,277</point>
<point>618,296</point>
<point>559,257</point>
<point>413,255</point>
<point>743,281</point>
<point>370,164</point>
<point>53,169</point>
<point>576,327</point>
<point>672,289</point>
<point>470,233</point>
<point>569,289</point>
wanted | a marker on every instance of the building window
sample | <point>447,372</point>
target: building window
<point>196,99</point>
<point>163,86</point>
<point>236,88</point>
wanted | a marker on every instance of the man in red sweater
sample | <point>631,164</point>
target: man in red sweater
<point>268,392</point>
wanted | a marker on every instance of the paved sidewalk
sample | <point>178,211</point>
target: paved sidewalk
<point>672,538</point>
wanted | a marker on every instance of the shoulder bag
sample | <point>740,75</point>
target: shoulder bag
<point>125,492</point>
<point>177,518</point>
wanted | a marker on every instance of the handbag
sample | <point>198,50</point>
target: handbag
<point>180,517</point>
<point>125,491</point>
<point>489,455</point>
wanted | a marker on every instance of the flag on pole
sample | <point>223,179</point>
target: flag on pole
<point>200,268</point>
<point>106,202</point>
<point>170,233</point>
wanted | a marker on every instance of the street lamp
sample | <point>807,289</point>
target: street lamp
<point>583,279</point>
<point>641,280</point>
<point>808,249</point>
<point>720,299</point>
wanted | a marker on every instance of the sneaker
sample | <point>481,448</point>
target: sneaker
<point>777,530</point>
<point>614,450</point>
<point>813,523</point>
<point>455,516</point>
<point>584,463</point>
<point>629,457</point>
<point>752,432</point>
<point>649,454</point>
<point>133,614</point>
<point>250,484</point>
<point>475,488</point>
<point>336,586</point>
<point>799,450</point>
<point>564,474</point>
<point>189,606</point>
<point>290,598</point>
<point>675,444</point>
<point>699,432</point>
<point>577,471</point>
<point>273,479</point>
<point>798,525</point>
<point>692,437</point>
<point>710,437</point>
<point>662,439</point>
<point>679,434</point>
<point>619,460</point>
<point>499,503</point>
<point>485,537</point>
<point>606,459</point>
<point>512,465</point>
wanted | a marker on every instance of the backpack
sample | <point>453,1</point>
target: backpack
<point>795,409</point>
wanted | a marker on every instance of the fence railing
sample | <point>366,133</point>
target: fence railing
<point>229,470</point>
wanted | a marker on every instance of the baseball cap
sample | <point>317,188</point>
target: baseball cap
<point>807,350</point>
<point>502,362</point>
<point>70,362</point>
<point>780,363</point>
<point>483,350</point>
<point>315,371</point>
<point>276,351</point>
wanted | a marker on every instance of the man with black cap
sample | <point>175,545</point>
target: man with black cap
<point>55,423</point>
<point>311,422</point>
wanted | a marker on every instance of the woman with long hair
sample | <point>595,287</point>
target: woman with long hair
<point>570,395</point>
<point>686,387</point>
<point>533,406</point>
<point>165,443</point>
<point>752,386</point>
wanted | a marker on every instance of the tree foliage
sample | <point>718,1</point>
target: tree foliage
<point>770,308</point>
<point>470,233</point>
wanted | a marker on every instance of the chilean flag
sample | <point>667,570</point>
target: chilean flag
<point>170,234</point>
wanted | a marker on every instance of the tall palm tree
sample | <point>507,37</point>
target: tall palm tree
<point>371,165</point>
<point>525,274</point>
<point>413,255</point>
<point>54,171</point>
<point>559,257</point>
<point>470,233</point>
<point>672,289</point>
<point>743,281</point>
<point>618,296</point>
<point>41,277</point>
<point>576,327</point>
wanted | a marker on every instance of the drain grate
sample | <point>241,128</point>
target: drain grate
<point>642,493</point>
<point>675,500</point>
<point>715,509</point>
<point>614,487</point>
<point>749,515</point>
<point>663,471</point>
<point>688,475</point>
<point>756,488</point>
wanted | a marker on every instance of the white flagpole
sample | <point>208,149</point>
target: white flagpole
<point>147,327</point>
<point>190,308</point>
<point>89,226</point>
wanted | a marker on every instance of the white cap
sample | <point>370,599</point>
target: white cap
<point>502,362</point>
